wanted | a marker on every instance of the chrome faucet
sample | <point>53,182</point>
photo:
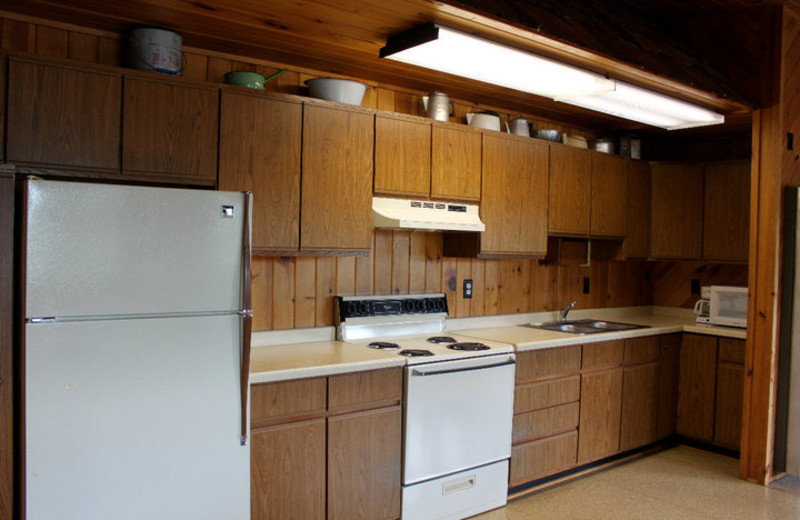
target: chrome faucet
<point>562,316</point>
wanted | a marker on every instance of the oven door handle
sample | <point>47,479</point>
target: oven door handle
<point>421,372</point>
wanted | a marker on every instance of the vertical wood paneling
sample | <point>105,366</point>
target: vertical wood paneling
<point>433,258</point>
<point>305,292</point>
<point>83,47</point>
<point>478,287</point>
<point>401,255</point>
<point>18,36</point>
<point>449,283</point>
<point>109,52</point>
<point>364,275</point>
<point>416,267</point>
<point>463,272</point>
<point>262,293</point>
<point>382,268</point>
<point>52,43</point>
<point>195,67</point>
<point>345,275</point>
<point>283,293</point>
<point>217,68</point>
<point>325,290</point>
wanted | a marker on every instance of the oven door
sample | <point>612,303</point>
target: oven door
<point>457,415</point>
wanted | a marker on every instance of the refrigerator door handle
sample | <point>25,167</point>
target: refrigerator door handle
<point>247,318</point>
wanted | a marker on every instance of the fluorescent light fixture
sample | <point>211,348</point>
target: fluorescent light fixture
<point>644,106</point>
<point>461,54</point>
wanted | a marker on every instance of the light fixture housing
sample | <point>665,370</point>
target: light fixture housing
<point>454,52</point>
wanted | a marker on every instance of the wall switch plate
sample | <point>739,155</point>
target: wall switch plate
<point>467,289</point>
<point>695,286</point>
<point>586,285</point>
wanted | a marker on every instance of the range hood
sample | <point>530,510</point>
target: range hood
<point>425,215</point>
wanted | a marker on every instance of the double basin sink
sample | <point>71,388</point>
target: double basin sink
<point>586,326</point>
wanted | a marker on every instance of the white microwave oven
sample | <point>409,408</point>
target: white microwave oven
<point>728,306</point>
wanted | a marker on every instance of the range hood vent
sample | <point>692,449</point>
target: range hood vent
<point>425,215</point>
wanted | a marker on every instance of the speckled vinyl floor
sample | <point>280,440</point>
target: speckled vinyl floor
<point>680,483</point>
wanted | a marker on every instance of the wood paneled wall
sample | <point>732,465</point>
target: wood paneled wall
<point>671,281</point>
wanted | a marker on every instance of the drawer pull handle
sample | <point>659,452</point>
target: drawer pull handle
<point>458,485</point>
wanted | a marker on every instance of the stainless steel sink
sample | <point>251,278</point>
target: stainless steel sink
<point>586,326</point>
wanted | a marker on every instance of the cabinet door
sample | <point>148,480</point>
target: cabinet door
<point>364,465</point>
<point>639,405</point>
<point>570,191</point>
<point>727,212</point>
<point>609,195</point>
<point>259,151</point>
<point>677,211</point>
<point>514,197</point>
<point>599,427</point>
<point>402,157</point>
<point>287,465</point>
<point>698,367</point>
<point>730,393</point>
<point>455,163</point>
<point>542,457</point>
<point>63,117</point>
<point>637,238</point>
<point>336,184</point>
<point>668,385</point>
<point>169,130</point>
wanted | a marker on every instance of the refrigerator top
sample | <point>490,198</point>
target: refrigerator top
<point>98,250</point>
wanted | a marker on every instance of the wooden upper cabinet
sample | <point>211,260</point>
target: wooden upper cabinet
<point>402,157</point>
<point>637,236</point>
<point>264,158</point>
<point>336,184</point>
<point>609,205</point>
<point>63,117</point>
<point>677,211</point>
<point>169,130</point>
<point>455,163</point>
<point>514,197</point>
<point>570,191</point>
<point>727,211</point>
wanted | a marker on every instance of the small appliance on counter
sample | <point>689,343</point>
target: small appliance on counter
<point>727,306</point>
<point>701,307</point>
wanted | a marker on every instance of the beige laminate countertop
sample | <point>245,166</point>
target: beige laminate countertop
<point>297,354</point>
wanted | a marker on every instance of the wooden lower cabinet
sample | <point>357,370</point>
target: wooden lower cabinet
<point>730,393</point>
<point>601,401</point>
<point>669,368</point>
<point>364,465</point>
<point>287,477</point>
<point>697,384</point>
<point>640,384</point>
<point>542,457</point>
<point>327,448</point>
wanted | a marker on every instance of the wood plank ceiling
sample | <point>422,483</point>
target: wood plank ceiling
<point>656,44</point>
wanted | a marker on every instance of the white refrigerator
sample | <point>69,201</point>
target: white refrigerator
<point>135,353</point>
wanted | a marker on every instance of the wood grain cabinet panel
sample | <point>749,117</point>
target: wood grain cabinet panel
<point>668,385</point>
<point>677,211</point>
<point>170,130</point>
<point>545,422</point>
<point>365,389</point>
<point>514,196</point>
<point>288,471</point>
<point>604,354</point>
<point>543,457</point>
<point>601,401</point>
<point>642,350</point>
<point>726,226</point>
<point>698,366</point>
<point>63,117</point>
<point>609,205</point>
<point>264,158</point>
<point>364,465</point>
<point>534,364</point>
<point>288,399</point>
<point>455,163</point>
<point>336,183</point>
<point>570,191</point>
<point>637,236</point>
<point>730,393</point>
<point>402,157</point>
<point>639,405</point>
<point>544,394</point>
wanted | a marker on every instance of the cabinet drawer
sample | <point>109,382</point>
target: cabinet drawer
<point>642,350</point>
<point>731,350</point>
<point>541,423</point>
<point>543,457</point>
<point>603,355</point>
<point>356,391</point>
<point>548,362</point>
<point>535,396</point>
<point>303,398</point>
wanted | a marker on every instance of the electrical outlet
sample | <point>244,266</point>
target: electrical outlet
<point>695,286</point>
<point>586,286</point>
<point>467,289</point>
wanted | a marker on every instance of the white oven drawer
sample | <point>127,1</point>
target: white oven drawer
<point>457,415</point>
<point>457,496</point>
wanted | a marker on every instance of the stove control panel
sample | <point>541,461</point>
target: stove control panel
<point>376,306</point>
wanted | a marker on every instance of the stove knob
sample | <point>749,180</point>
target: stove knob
<point>419,305</point>
<point>408,306</point>
<point>363,308</point>
<point>350,310</point>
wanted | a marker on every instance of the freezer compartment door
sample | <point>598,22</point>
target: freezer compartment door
<point>135,419</point>
<point>96,249</point>
<point>457,415</point>
<point>457,496</point>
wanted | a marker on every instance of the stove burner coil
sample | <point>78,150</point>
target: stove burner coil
<point>415,352</point>
<point>470,346</point>
<point>441,339</point>
<point>383,345</point>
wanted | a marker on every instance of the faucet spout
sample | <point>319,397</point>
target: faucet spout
<point>562,316</point>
